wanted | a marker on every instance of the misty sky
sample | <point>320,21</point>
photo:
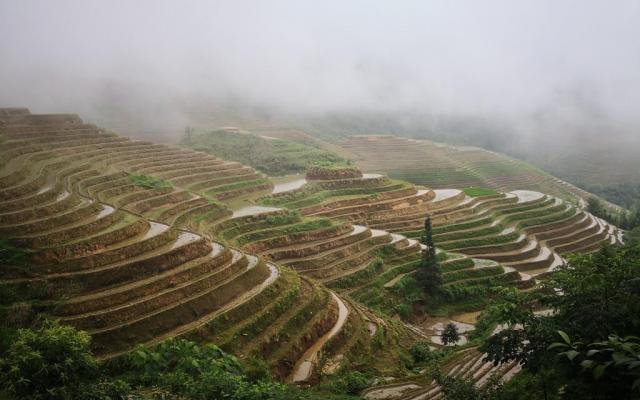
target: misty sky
<point>477,57</point>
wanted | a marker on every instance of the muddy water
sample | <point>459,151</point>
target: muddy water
<point>253,210</point>
<point>155,228</point>
<point>289,185</point>
<point>396,238</point>
<point>304,366</point>
<point>372,327</point>
<point>285,185</point>
<point>106,210</point>
<point>438,328</point>
<point>45,188</point>
<point>358,229</point>
<point>183,239</point>
<point>527,195</point>
<point>442,194</point>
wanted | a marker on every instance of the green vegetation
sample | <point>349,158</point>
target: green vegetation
<point>450,334</point>
<point>623,194</point>
<point>306,226</point>
<point>471,273</point>
<point>582,351</point>
<point>477,192</point>
<point>54,362</point>
<point>149,182</point>
<point>275,157</point>
<point>375,267</point>
<point>429,273</point>
<point>625,219</point>
<point>487,241</point>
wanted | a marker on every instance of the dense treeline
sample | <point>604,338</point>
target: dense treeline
<point>626,195</point>
<point>626,219</point>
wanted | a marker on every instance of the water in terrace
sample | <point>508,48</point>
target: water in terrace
<point>184,238</point>
<point>442,194</point>
<point>294,182</point>
<point>527,195</point>
<point>462,327</point>
<point>155,228</point>
<point>282,185</point>
<point>253,210</point>
<point>63,195</point>
<point>45,188</point>
<point>358,229</point>
<point>396,238</point>
<point>106,210</point>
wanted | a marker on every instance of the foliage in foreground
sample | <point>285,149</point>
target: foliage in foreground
<point>595,302</point>
<point>55,362</point>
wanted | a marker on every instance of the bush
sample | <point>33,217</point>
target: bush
<point>421,352</point>
<point>50,363</point>
<point>352,382</point>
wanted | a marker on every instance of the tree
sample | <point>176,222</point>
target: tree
<point>594,297</point>
<point>450,334</point>
<point>458,388</point>
<point>613,363</point>
<point>430,272</point>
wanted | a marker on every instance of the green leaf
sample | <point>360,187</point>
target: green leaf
<point>599,371</point>
<point>587,364</point>
<point>565,337</point>
<point>556,345</point>
<point>571,354</point>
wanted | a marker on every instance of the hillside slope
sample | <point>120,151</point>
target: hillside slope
<point>443,166</point>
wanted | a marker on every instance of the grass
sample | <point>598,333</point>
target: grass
<point>468,243</point>
<point>149,182</point>
<point>306,226</point>
<point>477,192</point>
<point>275,157</point>
<point>374,268</point>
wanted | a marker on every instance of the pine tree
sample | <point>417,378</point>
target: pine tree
<point>430,272</point>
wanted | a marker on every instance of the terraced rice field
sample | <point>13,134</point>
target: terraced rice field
<point>439,166</point>
<point>135,261</point>
<point>468,364</point>
<point>137,242</point>
<point>527,232</point>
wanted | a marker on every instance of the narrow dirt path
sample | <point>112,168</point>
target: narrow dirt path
<point>303,368</point>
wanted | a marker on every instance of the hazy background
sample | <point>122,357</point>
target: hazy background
<point>554,82</point>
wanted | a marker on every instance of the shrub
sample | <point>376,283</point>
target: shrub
<point>50,363</point>
<point>421,352</point>
<point>352,382</point>
<point>149,182</point>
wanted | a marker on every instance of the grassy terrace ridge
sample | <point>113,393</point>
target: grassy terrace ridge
<point>274,157</point>
<point>149,182</point>
<point>476,191</point>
